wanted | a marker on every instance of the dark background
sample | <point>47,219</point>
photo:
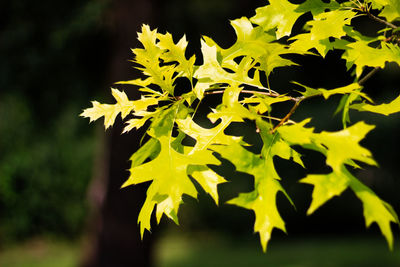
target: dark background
<point>60,176</point>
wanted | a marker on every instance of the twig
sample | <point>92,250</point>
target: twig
<point>278,119</point>
<point>243,91</point>
<point>272,94</point>
<point>380,20</point>
<point>369,75</point>
<point>287,117</point>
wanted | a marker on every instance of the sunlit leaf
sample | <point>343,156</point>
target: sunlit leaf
<point>168,186</point>
<point>384,109</point>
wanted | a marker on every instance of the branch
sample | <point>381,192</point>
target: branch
<point>390,25</point>
<point>272,94</point>
<point>369,75</point>
<point>278,119</point>
<point>287,117</point>
<point>243,91</point>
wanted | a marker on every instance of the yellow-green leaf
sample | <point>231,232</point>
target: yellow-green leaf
<point>384,109</point>
<point>208,180</point>
<point>170,184</point>
<point>375,210</point>
<point>279,14</point>
<point>330,24</point>
<point>110,112</point>
<point>326,186</point>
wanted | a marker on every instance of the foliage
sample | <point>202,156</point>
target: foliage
<point>42,187</point>
<point>241,74</point>
<point>46,69</point>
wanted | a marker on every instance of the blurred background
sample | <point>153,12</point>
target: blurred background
<point>60,202</point>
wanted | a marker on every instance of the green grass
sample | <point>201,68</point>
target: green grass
<point>175,251</point>
<point>41,253</point>
<point>211,250</point>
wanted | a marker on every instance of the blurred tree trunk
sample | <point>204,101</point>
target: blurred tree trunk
<point>114,238</point>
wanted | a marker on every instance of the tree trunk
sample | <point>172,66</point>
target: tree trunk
<point>114,238</point>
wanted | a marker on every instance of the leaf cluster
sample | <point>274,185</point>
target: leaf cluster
<point>240,73</point>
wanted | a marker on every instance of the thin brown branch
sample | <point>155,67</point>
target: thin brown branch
<point>278,119</point>
<point>369,75</point>
<point>380,20</point>
<point>272,94</point>
<point>243,91</point>
<point>287,117</point>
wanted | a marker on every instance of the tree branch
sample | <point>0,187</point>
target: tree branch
<point>380,20</point>
<point>287,117</point>
<point>272,94</point>
<point>369,75</point>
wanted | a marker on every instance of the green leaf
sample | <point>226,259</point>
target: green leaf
<point>251,41</point>
<point>263,202</point>
<point>264,102</point>
<point>279,15</point>
<point>205,137</point>
<point>255,43</point>
<point>123,106</point>
<point>211,72</point>
<point>176,53</point>
<point>272,58</point>
<point>138,82</point>
<point>362,55</point>
<point>149,58</point>
<point>330,24</point>
<point>152,54</point>
<point>297,134</point>
<point>344,105</point>
<point>375,210</point>
<point>326,186</point>
<point>384,109</point>
<point>266,185</point>
<point>231,108</point>
<point>263,199</point>
<point>303,42</point>
<point>163,121</point>
<point>110,112</point>
<point>141,106</point>
<point>353,88</point>
<point>316,7</point>
<point>391,11</point>
<point>309,92</point>
<point>391,8</point>
<point>238,72</point>
<point>168,185</point>
<point>343,146</point>
<point>333,184</point>
<point>136,123</point>
<point>208,180</point>
<point>148,150</point>
<point>324,26</point>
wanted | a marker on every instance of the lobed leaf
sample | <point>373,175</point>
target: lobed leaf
<point>266,185</point>
<point>375,210</point>
<point>241,69</point>
<point>123,106</point>
<point>326,186</point>
<point>384,109</point>
<point>361,54</point>
<point>169,185</point>
<point>279,15</point>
